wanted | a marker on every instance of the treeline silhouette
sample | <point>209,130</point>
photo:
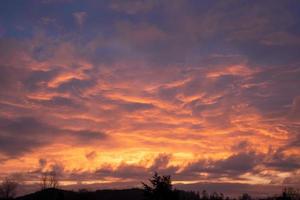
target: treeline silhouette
<point>159,188</point>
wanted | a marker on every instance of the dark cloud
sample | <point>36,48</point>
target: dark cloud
<point>42,162</point>
<point>91,155</point>
<point>131,107</point>
<point>8,78</point>
<point>294,114</point>
<point>161,161</point>
<point>124,171</point>
<point>239,163</point>
<point>87,136</point>
<point>22,135</point>
<point>132,7</point>
<point>241,146</point>
<point>39,79</point>
<point>281,162</point>
<point>58,101</point>
<point>76,85</point>
<point>14,146</point>
<point>25,126</point>
<point>160,164</point>
<point>235,165</point>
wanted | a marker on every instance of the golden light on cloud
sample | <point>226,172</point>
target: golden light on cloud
<point>110,99</point>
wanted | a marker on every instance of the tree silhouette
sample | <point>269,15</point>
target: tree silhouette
<point>160,188</point>
<point>216,196</point>
<point>8,189</point>
<point>289,193</point>
<point>245,196</point>
<point>49,180</point>
<point>205,195</point>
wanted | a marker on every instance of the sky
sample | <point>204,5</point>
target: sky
<point>104,93</point>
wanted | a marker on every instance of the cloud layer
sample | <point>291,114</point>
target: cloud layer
<point>112,91</point>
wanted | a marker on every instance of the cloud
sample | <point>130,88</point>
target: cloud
<point>233,166</point>
<point>295,110</point>
<point>80,17</point>
<point>14,146</point>
<point>91,155</point>
<point>184,88</point>
<point>241,146</point>
<point>292,180</point>
<point>239,163</point>
<point>39,78</point>
<point>42,162</point>
<point>281,39</point>
<point>281,162</point>
<point>22,135</point>
<point>137,172</point>
<point>132,7</point>
<point>161,161</point>
<point>139,36</point>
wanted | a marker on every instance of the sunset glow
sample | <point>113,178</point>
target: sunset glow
<point>107,92</point>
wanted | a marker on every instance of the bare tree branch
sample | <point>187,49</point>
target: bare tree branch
<point>8,188</point>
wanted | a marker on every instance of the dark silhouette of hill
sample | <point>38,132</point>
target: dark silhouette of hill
<point>57,194</point>
<point>50,194</point>
<point>136,194</point>
<point>125,194</point>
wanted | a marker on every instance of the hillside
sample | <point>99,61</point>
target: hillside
<point>56,194</point>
